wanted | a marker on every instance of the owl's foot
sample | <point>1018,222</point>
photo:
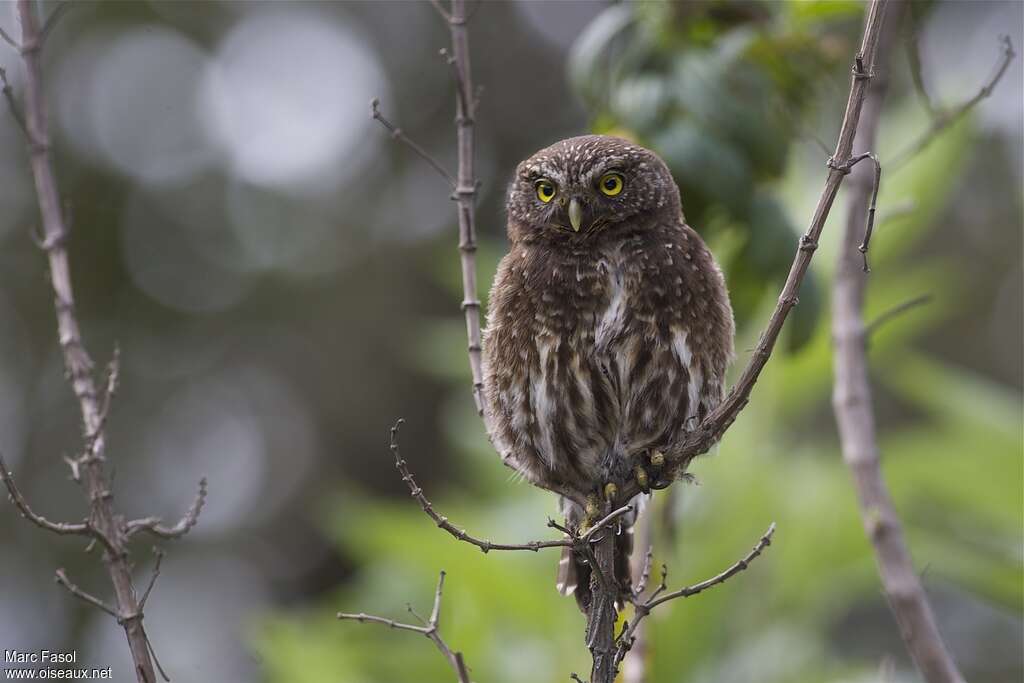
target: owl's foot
<point>640,474</point>
<point>597,505</point>
<point>592,512</point>
<point>655,474</point>
<point>657,459</point>
<point>610,491</point>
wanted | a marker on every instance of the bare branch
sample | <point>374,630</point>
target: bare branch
<point>431,630</point>
<point>863,248</point>
<point>435,613</point>
<point>944,118</point>
<point>153,525</point>
<point>63,528</point>
<point>913,49</point>
<point>644,608</point>
<point>52,21</point>
<point>645,573</point>
<point>441,10</point>
<point>9,40</point>
<point>853,410</point>
<point>895,312</point>
<point>398,134</point>
<point>62,579</point>
<point>8,93</point>
<point>484,545</point>
<point>732,571</point>
<point>662,584</point>
<point>390,623</point>
<point>92,438</point>
<point>152,579</point>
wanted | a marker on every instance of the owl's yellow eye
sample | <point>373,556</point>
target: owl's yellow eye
<point>546,190</point>
<point>611,184</point>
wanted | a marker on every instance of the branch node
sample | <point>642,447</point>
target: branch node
<point>808,243</point>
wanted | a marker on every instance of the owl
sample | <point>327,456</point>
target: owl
<point>609,329</point>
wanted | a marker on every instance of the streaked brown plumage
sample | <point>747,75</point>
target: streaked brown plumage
<point>609,329</point>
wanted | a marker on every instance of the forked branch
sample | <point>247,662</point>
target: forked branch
<point>944,118</point>
<point>63,528</point>
<point>644,606</point>
<point>430,628</point>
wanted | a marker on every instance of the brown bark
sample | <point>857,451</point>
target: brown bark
<point>852,404</point>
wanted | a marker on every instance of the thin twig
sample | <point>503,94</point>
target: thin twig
<point>398,134</point>
<point>894,312</point>
<point>113,375</point>
<point>945,118</point>
<point>12,105</point>
<point>644,607</point>
<point>63,528</point>
<point>153,525</point>
<point>484,545</point>
<point>431,630</point>
<point>435,612</point>
<point>362,617</point>
<point>52,20</point>
<point>852,405</point>
<point>441,10</point>
<point>152,579</point>
<point>869,228</point>
<point>645,572</point>
<point>635,669</point>
<point>62,579</point>
<point>10,41</point>
<point>732,571</point>
<point>913,49</point>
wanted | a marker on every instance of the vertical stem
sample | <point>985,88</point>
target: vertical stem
<point>857,433</point>
<point>465,193</point>
<point>602,615</point>
<point>76,358</point>
<point>634,668</point>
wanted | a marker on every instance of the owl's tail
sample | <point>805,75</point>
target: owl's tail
<point>574,572</point>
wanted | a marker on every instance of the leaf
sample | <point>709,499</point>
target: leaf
<point>588,62</point>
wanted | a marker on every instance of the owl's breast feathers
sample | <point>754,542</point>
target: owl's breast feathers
<point>599,349</point>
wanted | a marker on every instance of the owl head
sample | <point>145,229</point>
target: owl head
<point>589,185</point>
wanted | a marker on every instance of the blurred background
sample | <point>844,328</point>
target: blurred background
<point>283,282</point>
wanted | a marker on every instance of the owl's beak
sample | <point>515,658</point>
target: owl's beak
<point>575,214</point>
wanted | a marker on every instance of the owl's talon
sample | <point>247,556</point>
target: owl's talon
<point>593,506</point>
<point>642,479</point>
<point>657,458</point>
<point>610,491</point>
